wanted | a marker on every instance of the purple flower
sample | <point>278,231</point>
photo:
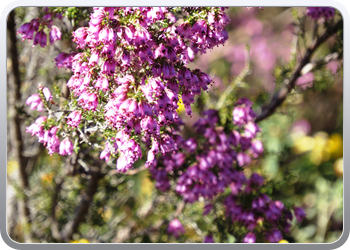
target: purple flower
<point>317,12</point>
<point>243,159</point>
<point>239,116</point>
<point>208,239</point>
<point>249,238</point>
<point>257,148</point>
<point>175,228</point>
<point>299,214</point>
<point>274,236</point>
<point>250,130</point>
<point>40,38</point>
<point>64,60</point>
<point>207,209</point>
<point>190,145</point>
<point>305,81</point>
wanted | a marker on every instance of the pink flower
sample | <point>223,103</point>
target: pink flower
<point>333,66</point>
<point>35,102</point>
<point>305,81</point>
<point>106,153</point>
<point>74,118</point>
<point>55,34</point>
<point>66,147</point>
<point>37,128</point>
<point>257,148</point>
<point>52,140</point>
<point>47,94</point>
<point>249,238</point>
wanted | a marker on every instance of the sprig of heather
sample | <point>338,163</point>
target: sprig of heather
<point>318,12</point>
<point>220,157</point>
<point>132,70</point>
<point>38,29</point>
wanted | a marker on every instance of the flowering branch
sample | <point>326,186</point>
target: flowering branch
<point>279,97</point>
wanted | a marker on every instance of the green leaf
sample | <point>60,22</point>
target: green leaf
<point>231,238</point>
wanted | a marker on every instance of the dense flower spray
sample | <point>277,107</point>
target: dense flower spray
<point>128,77</point>
<point>133,71</point>
<point>221,156</point>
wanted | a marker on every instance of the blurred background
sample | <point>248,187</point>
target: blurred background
<point>303,140</point>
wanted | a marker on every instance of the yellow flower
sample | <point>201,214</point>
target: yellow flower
<point>106,214</point>
<point>283,241</point>
<point>181,106</point>
<point>338,167</point>
<point>79,241</point>
<point>47,177</point>
<point>12,166</point>
<point>318,153</point>
<point>83,241</point>
<point>335,146</point>
<point>303,144</point>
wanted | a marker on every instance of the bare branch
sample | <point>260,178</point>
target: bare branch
<point>15,122</point>
<point>54,226</point>
<point>130,172</point>
<point>279,97</point>
<point>80,213</point>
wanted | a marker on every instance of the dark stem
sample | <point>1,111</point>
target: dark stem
<point>54,226</point>
<point>279,97</point>
<point>15,123</point>
<point>80,213</point>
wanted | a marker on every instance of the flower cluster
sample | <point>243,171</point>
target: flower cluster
<point>48,134</point>
<point>218,163</point>
<point>217,156</point>
<point>318,12</point>
<point>262,210</point>
<point>35,29</point>
<point>49,137</point>
<point>128,78</point>
<point>134,71</point>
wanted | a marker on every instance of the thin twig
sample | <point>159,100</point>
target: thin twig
<point>234,83</point>
<point>130,172</point>
<point>279,97</point>
<point>54,226</point>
